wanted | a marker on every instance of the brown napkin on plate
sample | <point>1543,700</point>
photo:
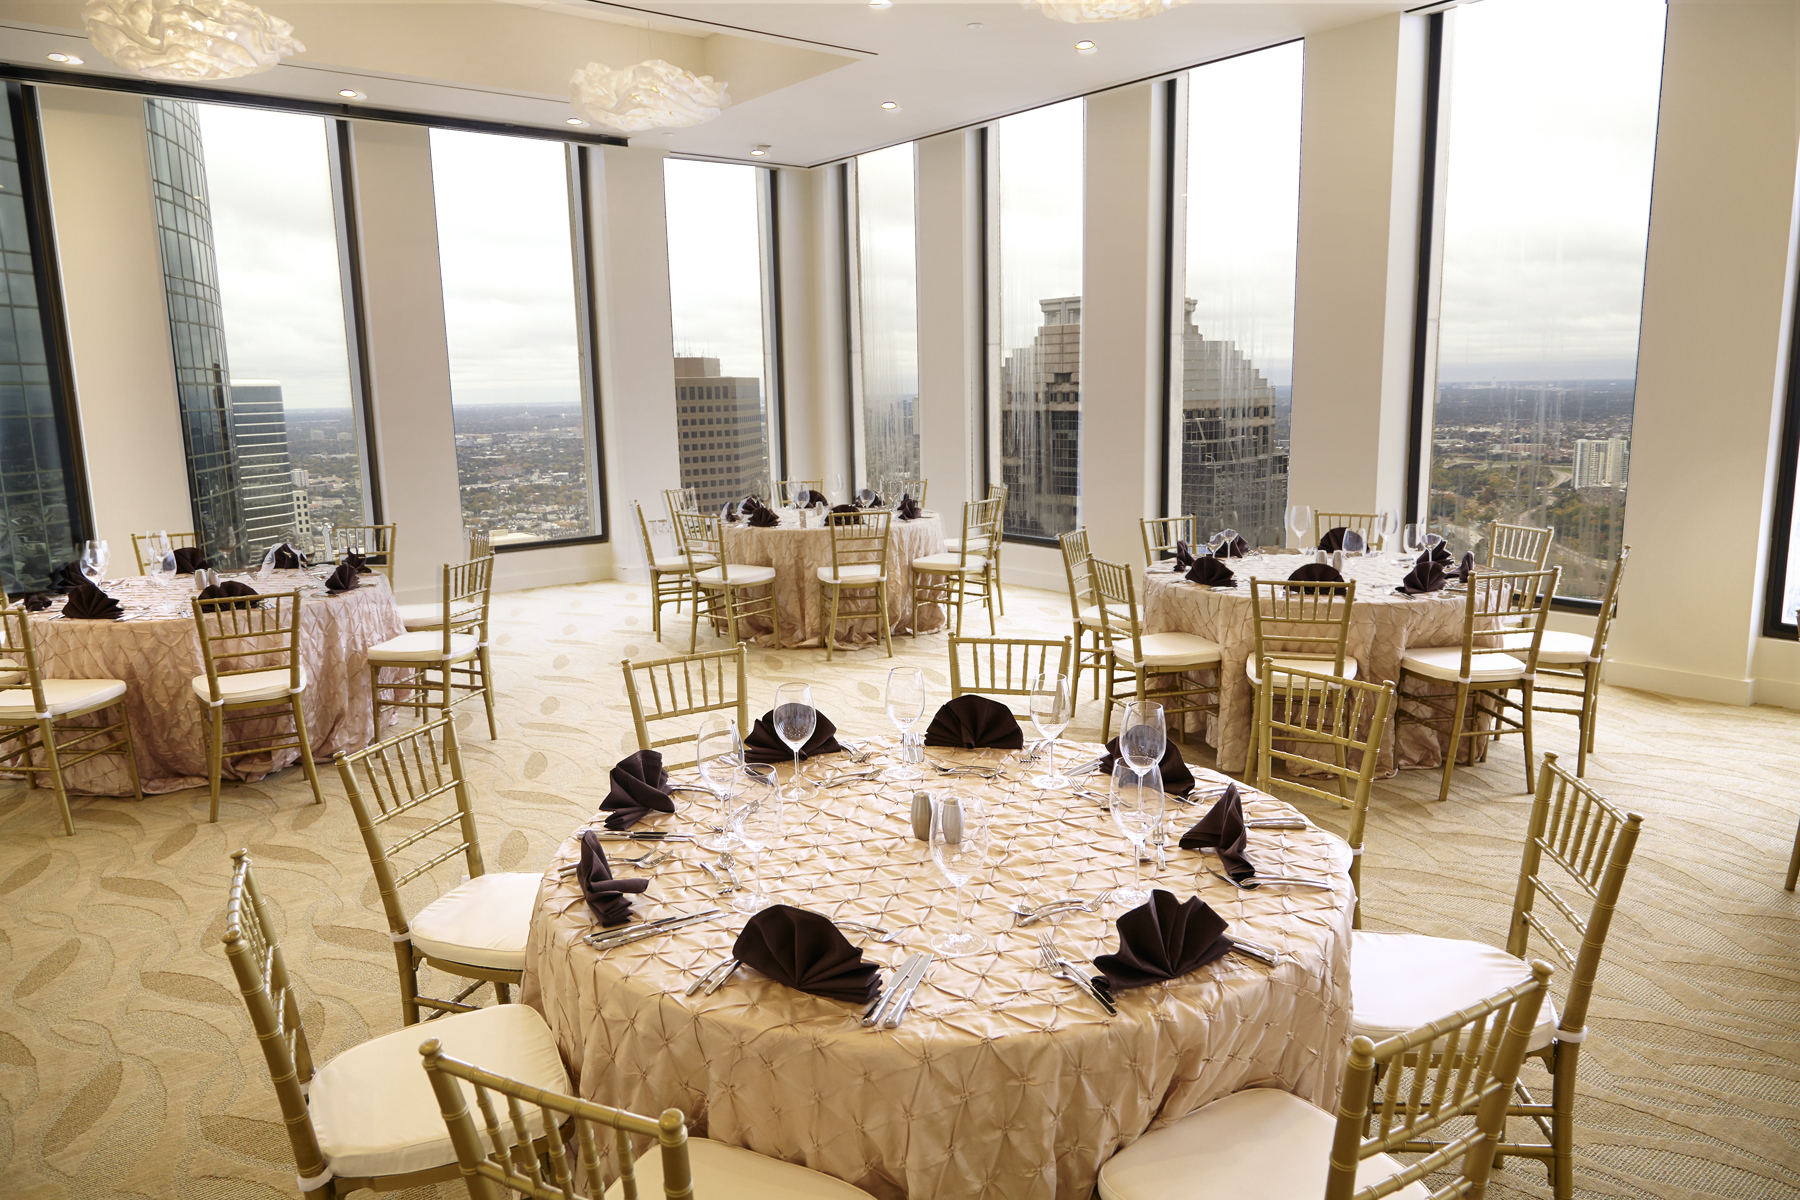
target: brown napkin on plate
<point>1222,829</point>
<point>764,518</point>
<point>89,603</point>
<point>804,950</point>
<point>1163,939</point>
<point>1211,572</point>
<point>357,562</point>
<point>1177,780</point>
<point>1467,567</point>
<point>975,722</point>
<point>1184,556</point>
<point>640,787</point>
<point>806,499</point>
<point>909,508</point>
<point>1315,572</point>
<point>344,578</point>
<point>288,558</point>
<point>65,577</point>
<point>846,514</point>
<point>765,746</point>
<point>608,897</point>
<point>1426,576</point>
<point>231,587</point>
<point>188,559</point>
<point>1439,554</point>
<point>1333,539</point>
<point>35,602</point>
<point>1237,547</point>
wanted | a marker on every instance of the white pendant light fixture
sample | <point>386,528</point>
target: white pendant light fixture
<point>1082,12</point>
<point>184,41</point>
<point>650,95</point>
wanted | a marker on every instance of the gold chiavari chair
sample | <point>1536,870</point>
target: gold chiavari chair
<point>359,1121</point>
<point>445,665</point>
<point>1367,524</point>
<point>678,501</point>
<point>859,566</point>
<point>177,541</point>
<point>671,576</point>
<point>1483,676</point>
<point>1083,611</point>
<point>1304,626</point>
<point>911,487</point>
<point>996,491</point>
<point>430,615</point>
<point>994,666</point>
<point>954,576</point>
<point>725,589</point>
<point>1140,655</point>
<point>787,489</point>
<point>1348,715</point>
<point>1569,664</point>
<point>481,543</point>
<point>1452,1074</point>
<point>250,648</point>
<point>1518,547</point>
<point>677,688</point>
<point>1578,843</point>
<point>677,1167</point>
<point>1161,534</point>
<point>33,710</point>
<point>376,543</point>
<point>475,930</point>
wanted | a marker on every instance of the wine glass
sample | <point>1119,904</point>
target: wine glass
<point>1137,810</point>
<point>1354,542</point>
<point>719,753</point>
<point>1412,538</point>
<point>1143,737</point>
<point>834,487</point>
<point>94,559</point>
<point>1387,524</point>
<point>759,823</point>
<point>961,841</point>
<point>1227,543</point>
<point>1300,522</point>
<point>1051,709</point>
<point>795,721</point>
<point>905,708</point>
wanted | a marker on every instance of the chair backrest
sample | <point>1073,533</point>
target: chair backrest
<point>17,646</point>
<point>666,689</point>
<point>1161,534</point>
<point>1462,1065</point>
<point>649,531</point>
<point>910,487</point>
<point>238,639</point>
<point>787,489</point>
<point>680,500</point>
<point>376,543</point>
<point>1075,555</point>
<point>177,541</point>
<point>493,1169</point>
<point>1589,841</point>
<point>481,543</point>
<point>703,542</point>
<point>1367,524</point>
<point>1518,547</point>
<point>1609,606</point>
<point>994,666</point>
<point>418,776</point>
<point>268,992</point>
<point>980,529</point>
<point>1338,725</point>
<point>1506,601</point>
<point>1308,621</point>
<point>468,592</point>
<point>859,539</point>
<point>1115,592</point>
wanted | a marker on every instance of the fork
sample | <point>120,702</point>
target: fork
<point>1056,964</point>
<point>1256,881</point>
<point>653,859</point>
<point>1061,908</point>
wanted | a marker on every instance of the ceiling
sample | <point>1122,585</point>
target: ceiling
<point>807,79</point>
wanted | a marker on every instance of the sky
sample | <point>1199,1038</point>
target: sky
<point>715,264</point>
<point>887,250</point>
<point>1040,166</point>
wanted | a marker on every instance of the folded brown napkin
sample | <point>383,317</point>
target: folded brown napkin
<point>188,559</point>
<point>1222,829</point>
<point>35,602</point>
<point>357,562</point>
<point>1234,547</point>
<point>1439,554</point>
<point>1163,939</point>
<point>65,577</point>
<point>231,587</point>
<point>804,950</point>
<point>609,898</point>
<point>1333,539</point>
<point>975,722</point>
<point>89,603</point>
<point>765,746</point>
<point>909,508</point>
<point>1426,576</point>
<point>729,513</point>
<point>344,578</point>
<point>1315,572</point>
<point>289,558</point>
<point>1211,572</point>
<point>1467,567</point>
<point>640,787</point>
<point>764,518</point>
<point>1177,780</point>
<point>1184,556</point>
<point>846,514</point>
<point>868,498</point>
<point>806,499</point>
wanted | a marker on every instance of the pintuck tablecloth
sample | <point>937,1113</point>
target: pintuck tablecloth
<point>1383,627</point>
<point>797,554</point>
<point>155,649</point>
<point>1002,1081</point>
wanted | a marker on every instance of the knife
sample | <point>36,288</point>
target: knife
<point>897,1011</point>
<point>1261,953</point>
<point>631,933</point>
<point>1080,979</point>
<point>875,1010</point>
<point>1086,768</point>
<point>644,835</point>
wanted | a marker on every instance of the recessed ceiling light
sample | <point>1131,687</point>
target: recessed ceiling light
<point>975,25</point>
<point>1085,46</point>
<point>575,121</point>
<point>881,3</point>
<point>64,58</point>
<point>759,152</point>
<point>350,93</point>
<point>889,105</point>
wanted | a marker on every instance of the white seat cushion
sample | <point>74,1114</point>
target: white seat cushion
<point>1445,663</point>
<point>62,696</point>
<point>1170,650</point>
<point>1261,1143</point>
<point>740,575</point>
<point>253,688</point>
<point>1280,667</point>
<point>1400,981</point>
<point>949,563</point>
<point>373,1108</point>
<point>1090,616</point>
<point>423,647</point>
<point>11,672</point>
<point>481,922</point>
<point>855,575</point>
<point>956,544</point>
<point>430,616</point>
<point>721,1170</point>
<point>1557,648</point>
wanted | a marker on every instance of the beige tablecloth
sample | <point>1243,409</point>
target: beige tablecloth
<point>156,651</point>
<point>1002,1081</point>
<point>1383,627</point>
<point>797,554</point>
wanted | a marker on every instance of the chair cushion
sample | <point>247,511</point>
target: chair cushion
<point>1171,650</point>
<point>11,671</point>
<point>373,1108</point>
<point>481,922</point>
<point>63,696</point>
<point>949,563</point>
<point>721,1170</point>
<point>1557,648</point>
<point>1400,981</point>
<point>431,616</point>
<point>864,574</point>
<point>423,647</point>
<point>1280,666</point>
<point>1445,663</point>
<point>956,543</point>
<point>739,574</point>
<point>256,687</point>
<point>1260,1143</point>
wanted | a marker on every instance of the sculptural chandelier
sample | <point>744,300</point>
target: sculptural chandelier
<point>1082,12</point>
<point>650,95</point>
<point>185,41</point>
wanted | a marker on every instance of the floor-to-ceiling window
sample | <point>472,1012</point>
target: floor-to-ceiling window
<point>886,244</point>
<point>1781,602</point>
<point>1036,225</point>
<point>1551,111</point>
<point>1230,453</point>
<point>525,427</point>
<point>716,292</point>
<point>256,300</point>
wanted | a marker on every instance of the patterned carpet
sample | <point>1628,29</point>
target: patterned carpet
<point>127,1067</point>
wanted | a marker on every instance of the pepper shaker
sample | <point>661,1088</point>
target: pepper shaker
<point>921,816</point>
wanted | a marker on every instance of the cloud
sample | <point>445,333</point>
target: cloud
<point>715,263</point>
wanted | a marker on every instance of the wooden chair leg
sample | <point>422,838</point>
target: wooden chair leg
<point>1456,741</point>
<point>887,626</point>
<point>832,617</point>
<point>407,959</point>
<point>137,782</point>
<point>487,690</point>
<point>1794,862</point>
<point>306,758</point>
<point>215,758</point>
<point>1525,723</point>
<point>1562,1120</point>
<point>502,992</point>
<point>47,734</point>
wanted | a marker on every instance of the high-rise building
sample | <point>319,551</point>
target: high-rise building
<point>1602,462</point>
<point>1040,425</point>
<point>891,426</point>
<point>265,476</point>
<point>724,433</point>
<point>1232,472</point>
<point>303,523</point>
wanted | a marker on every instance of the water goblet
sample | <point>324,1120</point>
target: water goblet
<point>1144,736</point>
<point>795,721</point>
<point>1300,522</point>
<point>834,487</point>
<point>1412,538</point>
<point>1051,709</point>
<point>961,842</point>
<point>719,753</point>
<point>757,825</point>
<point>905,708</point>
<point>1137,810</point>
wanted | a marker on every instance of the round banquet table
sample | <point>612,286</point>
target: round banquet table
<point>797,553</point>
<point>1002,1081</point>
<point>155,649</point>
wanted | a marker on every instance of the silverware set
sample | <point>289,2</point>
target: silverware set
<point>873,931</point>
<point>625,934</point>
<point>890,1007</point>
<point>1056,964</point>
<point>1030,914</point>
<point>654,858</point>
<point>724,874</point>
<point>714,978</point>
<point>1257,881</point>
<point>643,835</point>
<point>967,772</point>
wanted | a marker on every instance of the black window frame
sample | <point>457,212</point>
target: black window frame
<point>1781,526</point>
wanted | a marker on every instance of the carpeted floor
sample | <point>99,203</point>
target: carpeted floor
<point>127,1067</point>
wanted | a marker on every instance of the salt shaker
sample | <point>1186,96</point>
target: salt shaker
<point>950,819</point>
<point>921,816</point>
<point>1337,561</point>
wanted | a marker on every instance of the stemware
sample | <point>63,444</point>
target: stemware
<point>1300,522</point>
<point>1412,538</point>
<point>719,753</point>
<point>795,721</point>
<point>1144,736</point>
<point>1051,709</point>
<point>1137,809</point>
<point>834,487</point>
<point>961,841</point>
<point>94,560</point>
<point>905,708</point>
<point>759,823</point>
<point>1387,524</point>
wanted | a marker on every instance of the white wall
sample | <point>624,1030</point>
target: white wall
<point>950,337</point>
